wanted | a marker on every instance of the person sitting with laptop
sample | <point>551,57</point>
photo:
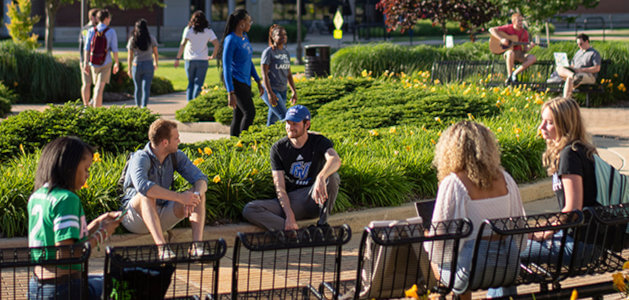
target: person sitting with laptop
<point>585,64</point>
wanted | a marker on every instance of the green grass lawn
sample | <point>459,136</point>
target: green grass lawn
<point>178,75</point>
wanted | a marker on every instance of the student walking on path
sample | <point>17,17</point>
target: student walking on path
<point>142,60</point>
<point>101,41</point>
<point>194,49</point>
<point>238,70</point>
<point>276,73</point>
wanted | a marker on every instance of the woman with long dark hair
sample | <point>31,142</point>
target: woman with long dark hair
<point>56,218</point>
<point>142,60</point>
<point>238,70</point>
<point>194,41</point>
<point>276,74</point>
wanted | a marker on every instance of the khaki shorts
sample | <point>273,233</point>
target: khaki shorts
<point>101,74</point>
<point>520,56</point>
<point>586,78</point>
<point>86,78</point>
<point>133,221</point>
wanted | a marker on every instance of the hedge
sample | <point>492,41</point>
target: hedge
<point>41,78</point>
<point>382,166</point>
<point>38,77</point>
<point>116,129</point>
<point>6,98</point>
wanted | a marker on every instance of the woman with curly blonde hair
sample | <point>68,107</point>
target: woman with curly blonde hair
<point>473,184</point>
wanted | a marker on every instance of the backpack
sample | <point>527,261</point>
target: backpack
<point>123,174</point>
<point>98,47</point>
<point>611,186</point>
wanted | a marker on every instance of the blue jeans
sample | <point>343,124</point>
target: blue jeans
<point>68,290</point>
<point>142,73</point>
<point>277,112</point>
<point>498,256</point>
<point>196,70</point>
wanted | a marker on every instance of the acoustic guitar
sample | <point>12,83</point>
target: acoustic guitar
<point>498,48</point>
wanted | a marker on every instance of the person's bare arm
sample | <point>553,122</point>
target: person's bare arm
<point>282,196</point>
<point>332,164</point>
<point>215,51</point>
<point>291,84</point>
<point>180,52</point>
<point>185,198</point>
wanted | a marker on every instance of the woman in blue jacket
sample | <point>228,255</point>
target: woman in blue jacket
<point>238,70</point>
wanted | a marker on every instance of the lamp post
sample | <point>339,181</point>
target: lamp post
<point>83,13</point>
<point>299,50</point>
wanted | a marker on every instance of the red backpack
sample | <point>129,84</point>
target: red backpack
<point>98,47</point>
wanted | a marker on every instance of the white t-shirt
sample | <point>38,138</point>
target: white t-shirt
<point>196,48</point>
<point>454,202</point>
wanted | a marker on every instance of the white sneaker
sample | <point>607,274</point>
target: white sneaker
<point>197,249</point>
<point>165,253</point>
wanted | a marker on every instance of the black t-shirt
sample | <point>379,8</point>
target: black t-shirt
<point>302,165</point>
<point>576,162</point>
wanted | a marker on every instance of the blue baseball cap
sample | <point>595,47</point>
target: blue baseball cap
<point>297,113</point>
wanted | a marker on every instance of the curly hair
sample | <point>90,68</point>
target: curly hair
<point>198,22</point>
<point>469,147</point>
<point>273,29</point>
<point>570,131</point>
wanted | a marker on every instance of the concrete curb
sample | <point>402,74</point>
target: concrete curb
<point>355,219</point>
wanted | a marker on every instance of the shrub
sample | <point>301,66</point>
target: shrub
<point>161,85</point>
<point>203,107</point>
<point>6,98</point>
<point>37,77</point>
<point>211,104</point>
<point>112,129</point>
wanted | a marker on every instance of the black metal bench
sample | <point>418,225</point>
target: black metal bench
<point>604,237</point>
<point>138,272</point>
<point>493,73</point>
<point>393,257</point>
<point>19,265</point>
<point>287,264</point>
<point>501,242</point>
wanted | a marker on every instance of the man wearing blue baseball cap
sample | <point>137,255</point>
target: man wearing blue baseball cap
<point>304,169</point>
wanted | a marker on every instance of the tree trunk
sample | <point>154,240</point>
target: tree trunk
<point>51,13</point>
<point>547,33</point>
<point>445,32</point>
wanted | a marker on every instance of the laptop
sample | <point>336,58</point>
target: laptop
<point>424,209</point>
<point>561,59</point>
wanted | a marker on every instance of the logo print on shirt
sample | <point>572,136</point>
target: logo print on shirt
<point>300,169</point>
<point>299,157</point>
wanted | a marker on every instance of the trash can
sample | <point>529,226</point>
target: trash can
<point>317,61</point>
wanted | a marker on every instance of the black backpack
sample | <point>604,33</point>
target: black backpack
<point>120,184</point>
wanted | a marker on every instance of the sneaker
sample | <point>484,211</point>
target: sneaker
<point>165,253</point>
<point>197,250</point>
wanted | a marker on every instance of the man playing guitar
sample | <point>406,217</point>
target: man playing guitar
<point>517,52</point>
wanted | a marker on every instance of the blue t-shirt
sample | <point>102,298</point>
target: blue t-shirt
<point>278,61</point>
<point>237,62</point>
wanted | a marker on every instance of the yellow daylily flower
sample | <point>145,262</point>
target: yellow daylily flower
<point>216,179</point>
<point>207,150</point>
<point>198,161</point>
<point>96,157</point>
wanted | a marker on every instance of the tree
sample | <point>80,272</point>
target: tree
<point>52,6</point>
<point>471,14</point>
<point>22,23</point>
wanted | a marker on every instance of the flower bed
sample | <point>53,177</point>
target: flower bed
<point>384,130</point>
